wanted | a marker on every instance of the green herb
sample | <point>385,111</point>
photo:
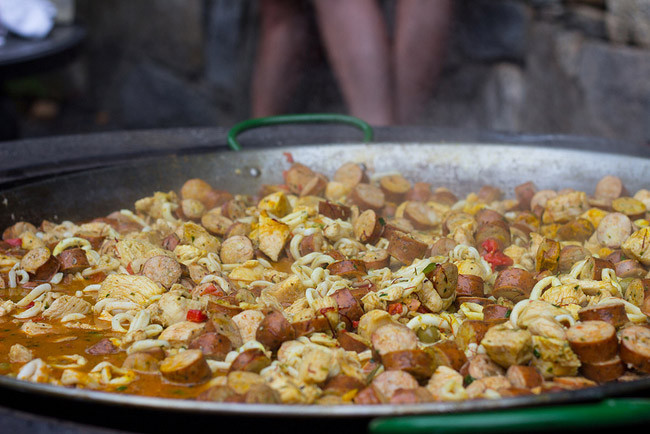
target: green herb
<point>536,353</point>
<point>468,380</point>
<point>429,268</point>
<point>5,366</point>
<point>178,392</point>
<point>121,388</point>
<point>508,312</point>
<point>382,221</point>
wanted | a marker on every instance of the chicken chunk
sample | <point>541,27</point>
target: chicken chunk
<point>508,347</point>
<point>138,289</point>
<point>554,357</point>
<point>272,235</point>
<point>65,305</point>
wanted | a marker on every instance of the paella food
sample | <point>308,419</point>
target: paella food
<point>359,288</point>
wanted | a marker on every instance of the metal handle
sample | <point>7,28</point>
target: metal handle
<point>312,118</point>
<point>563,418</point>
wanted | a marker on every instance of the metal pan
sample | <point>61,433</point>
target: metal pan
<point>462,167</point>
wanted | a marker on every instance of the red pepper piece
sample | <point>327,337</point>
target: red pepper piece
<point>395,308</point>
<point>196,315</point>
<point>16,242</point>
<point>31,304</point>
<point>498,259</point>
<point>490,245</point>
<point>355,324</point>
<point>129,269</point>
<point>289,157</point>
<point>213,290</point>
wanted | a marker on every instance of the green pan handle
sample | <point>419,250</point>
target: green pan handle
<point>311,118</point>
<point>556,418</point>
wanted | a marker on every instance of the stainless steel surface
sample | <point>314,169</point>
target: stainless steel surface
<point>460,167</point>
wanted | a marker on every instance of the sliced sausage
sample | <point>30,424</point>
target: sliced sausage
<point>489,194</point>
<point>375,259</point>
<point>341,384</point>
<point>368,227</point>
<point>274,330</point>
<point>102,348</point>
<point>395,187</point>
<point>35,259</point>
<point>629,268</point>
<point>421,192</point>
<point>393,337</point>
<point>333,210</point>
<point>315,186</point>
<point>548,256</point>
<point>497,231</point>
<point>348,268</point>
<point>447,353</point>
<point>367,396</point>
<point>496,313</point>
<point>470,285</point>
<point>483,301</point>
<point>223,324</point>
<point>416,362</point>
<point>569,255</point>
<point>411,396</point>
<point>443,196</point>
<point>405,248</point>
<point>514,284</point>
<point>350,175</point>
<point>487,216</point>
<point>311,325</point>
<point>162,269</point>
<point>525,377</point>
<point>253,360</point>
<point>471,332</point>
<point>237,250</point>
<point>602,372</point>
<point>420,215</point>
<point>593,269</point>
<point>367,196</point>
<point>524,194</point>
<point>480,366</point>
<point>593,341</point>
<point>633,208</point>
<point>187,367</point>
<point>610,187</point>
<point>576,230</point>
<point>442,247</point>
<point>213,345</point>
<point>613,314</point>
<point>309,244</point>
<point>234,209</point>
<point>635,347</point>
<point>297,177</point>
<point>17,229</point>
<point>73,260</point>
<point>215,223</point>
<point>388,382</point>
<point>141,362</point>
<point>170,242</point>
<point>444,278</point>
<point>352,342</point>
<point>613,230</point>
<point>540,198</point>
<point>348,306</point>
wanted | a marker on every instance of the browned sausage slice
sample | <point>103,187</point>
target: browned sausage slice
<point>315,186</point>
<point>569,255</point>
<point>342,384</point>
<point>524,194</point>
<point>614,229</point>
<point>487,216</point>
<point>610,187</point>
<point>442,247</point>
<point>470,285</point>
<point>629,268</point>
<point>393,337</point>
<point>170,242</point>
<point>405,248</point>
<point>481,366</point>
<point>187,367</point>
<point>514,284</point>
<point>548,256</point>
<point>368,227</point>
<point>162,269</point>
<point>253,360</point>
<point>593,341</point>
<point>593,269</point>
<point>348,306</point>
<point>447,353</point>
<point>416,362</point>
<point>635,347</point>
<point>349,268</point>
<point>220,394</point>
<point>420,215</point>
<point>333,210</point>
<point>602,372</point>
<point>496,313</point>
<point>388,382</point>
<point>352,342</point>
<point>311,243</point>
<point>613,314</point>
<point>237,250</point>
<point>375,259</point>
<point>213,345</point>
<point>311,325</point>
<point>274,330</point>
<point>297,177</point>
<point>367,196</point>
<point>350,174</point>
<point>141,362</point>
<point>394,187</point>
<point>444,278</point>
<point>471,332</point>
<point>525,377</point>
<point>215,223</point>
<point>234,209</point>
<point>421,192</point>
<point>633,208</point>
<point>102,348</point>
<point>498,231</point>
<point>367,396</point>
<point>443,196</point>
<point>411,396</point>
<point>579,230</point>
<point>73,260</point>
<point>489,194</point>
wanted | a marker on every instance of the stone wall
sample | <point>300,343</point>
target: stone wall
<point>537,66</point>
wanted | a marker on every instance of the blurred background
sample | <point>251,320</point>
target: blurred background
<point>534,66</point>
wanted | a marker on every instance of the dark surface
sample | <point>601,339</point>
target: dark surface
<point>21,56</point>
